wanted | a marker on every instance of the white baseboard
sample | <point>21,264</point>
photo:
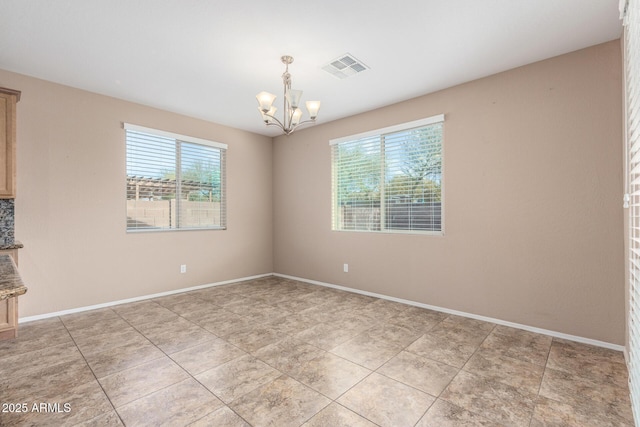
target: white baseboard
<point>464,314</point>
<point>342,288</point>
<point>140,298</point>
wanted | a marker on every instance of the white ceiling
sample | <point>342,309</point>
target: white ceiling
<point>208,59</point>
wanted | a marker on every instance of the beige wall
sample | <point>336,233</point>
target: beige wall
<point>532,199</point>
<point>70,207</point>
<point>533,188</point>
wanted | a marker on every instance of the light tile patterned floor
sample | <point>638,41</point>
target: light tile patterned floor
<point>275,352</point>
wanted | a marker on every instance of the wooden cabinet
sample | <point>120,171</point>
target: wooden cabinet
<point>9,318</point>
<point>9,307</point>
<point>8,100</point>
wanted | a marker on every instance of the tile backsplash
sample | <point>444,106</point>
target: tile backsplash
<point>7,222</point>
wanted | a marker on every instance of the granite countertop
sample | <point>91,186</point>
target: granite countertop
<point>16,245</point>
<point>10,282</point>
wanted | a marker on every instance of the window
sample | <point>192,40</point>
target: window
<point>389,180</point>
<point>174,181</point>
<point>631,12</point>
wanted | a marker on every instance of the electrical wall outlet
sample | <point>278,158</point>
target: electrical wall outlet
<point>346,268</point>
<point>183,268</point>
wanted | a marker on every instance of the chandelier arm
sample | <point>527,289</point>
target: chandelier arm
<point>304,122</point>
<point>279,123</point>
<point>276,124</point>
<point>279,127</point>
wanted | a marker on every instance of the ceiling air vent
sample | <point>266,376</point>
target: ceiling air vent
<point>345,66</point>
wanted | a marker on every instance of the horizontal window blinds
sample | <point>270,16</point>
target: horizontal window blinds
<point>389,181</point>
<point>356,169</point>
<point>173,184</point>
<point>632,71</point>
<point>413,179</point>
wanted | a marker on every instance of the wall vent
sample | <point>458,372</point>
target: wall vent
<point>345,66</point>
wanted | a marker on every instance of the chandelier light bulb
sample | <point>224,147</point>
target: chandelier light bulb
<point>293,96</point>
<point>268,116</point>
<point>296,116</point>
<point>265,100</point>
<point>312,108</point>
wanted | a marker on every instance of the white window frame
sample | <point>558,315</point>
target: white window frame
<point>179,139</point>
<point>630,12</point>
<point>335,217</point>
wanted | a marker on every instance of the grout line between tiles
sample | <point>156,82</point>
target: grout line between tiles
<point>95,377</point>
<point>273,301</point>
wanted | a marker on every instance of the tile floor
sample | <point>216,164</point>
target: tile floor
<point>275,352</point>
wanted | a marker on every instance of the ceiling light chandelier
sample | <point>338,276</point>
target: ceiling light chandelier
<point>292,112</point>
